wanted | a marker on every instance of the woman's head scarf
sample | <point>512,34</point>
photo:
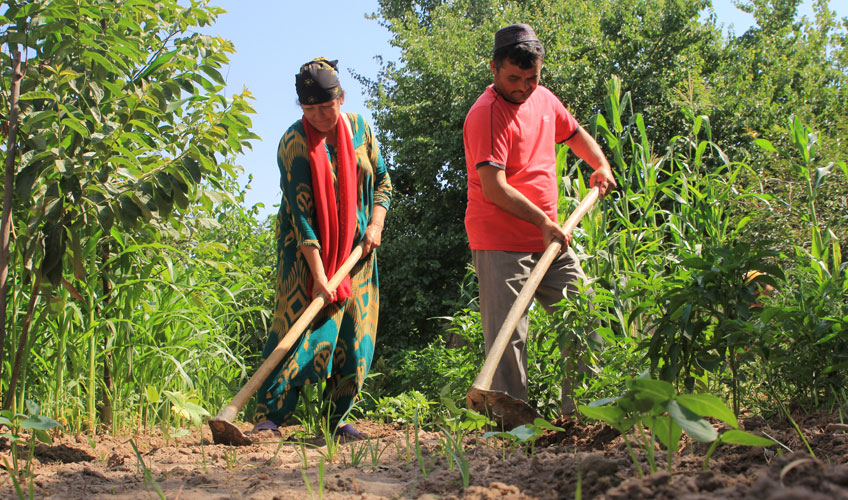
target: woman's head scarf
<point>318,81</point>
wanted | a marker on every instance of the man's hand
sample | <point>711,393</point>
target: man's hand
<point>588,150</point>
<point>603,178</point>
<point>552,231</point>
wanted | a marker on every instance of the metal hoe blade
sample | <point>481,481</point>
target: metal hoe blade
<point>507,411</point>
<point>224,432</point>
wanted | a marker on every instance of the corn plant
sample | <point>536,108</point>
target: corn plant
<point>322,467</point>
<point>313,410</point>
<point>419,453</point>
<point>455,448</point>
<point>807,352</point>
<point>675,202</point>
<point>231,458</point>
<point>332,446</point>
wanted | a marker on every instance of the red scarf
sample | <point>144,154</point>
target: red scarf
<point>336,226</point>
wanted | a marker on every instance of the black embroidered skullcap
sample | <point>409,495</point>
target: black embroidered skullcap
<point>317,81</point>
<point>513,34</point>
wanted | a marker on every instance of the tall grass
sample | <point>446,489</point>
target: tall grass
<point>669,253</point>
<point>181,314</point>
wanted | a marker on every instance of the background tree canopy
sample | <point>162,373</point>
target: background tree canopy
<point>120,143</point>
<point>677,66</point>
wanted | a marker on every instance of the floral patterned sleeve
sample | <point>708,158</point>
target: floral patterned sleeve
<point>382,183</point>
<point>296,184</point>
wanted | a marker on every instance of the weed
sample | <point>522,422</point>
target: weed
<point>148,476</point>
<point>374,452</point>
<point>402,408</point>
<point>455,449</point>
<point>231,457</point>
<point>654,404</point>
<point>320,484</point>
<point>358,451</point>
<point>524,434</point>
<point>578,490</point>
<point>795,426</point>
<point>300,451</point>
<point>419,455</point>
<point>38,425</point>
<point>276,452</point>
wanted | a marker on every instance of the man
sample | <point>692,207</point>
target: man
<point>510,135</point>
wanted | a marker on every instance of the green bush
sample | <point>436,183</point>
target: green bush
<point>402,408</point>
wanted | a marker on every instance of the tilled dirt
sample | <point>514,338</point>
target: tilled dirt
<point>590,458</point>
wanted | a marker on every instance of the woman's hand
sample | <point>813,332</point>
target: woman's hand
<point>373,237</point>
<point>374,231</point>
<point>321,286</point>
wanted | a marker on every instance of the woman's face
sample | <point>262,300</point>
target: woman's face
<point>323,116</point>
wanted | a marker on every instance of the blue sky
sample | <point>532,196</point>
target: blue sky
<point>273,38</point>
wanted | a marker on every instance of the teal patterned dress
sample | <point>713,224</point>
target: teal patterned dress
<point>339,345</point>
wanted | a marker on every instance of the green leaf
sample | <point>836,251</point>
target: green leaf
<point>172,106</point>
<point>707,405</point>
<point>763,143</point>
<point>660,429</point>
<point>658,391</point>
<point>152,394</point>
<point>77,126</point>
<point>212,72</point>
<point>541,423</point>
<point>609,414</point>
<point>157,63</point>
<point>89,56</point>
<point>735,436</point>
<point>522,434</point>
<point>147,127</point>
<point>195,412</point>
<point>696,427</point>
<point>33,408</point>
<point>38,94</point>
<point>40,422</point>
<point>180,433</point>
<point>603,401</point>
<point>821,173</point>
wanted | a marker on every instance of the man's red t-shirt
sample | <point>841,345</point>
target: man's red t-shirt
<point>520,139</point>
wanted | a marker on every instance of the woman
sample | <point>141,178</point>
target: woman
<point>336,192</point>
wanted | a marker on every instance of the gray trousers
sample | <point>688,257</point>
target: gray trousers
<point>501,276</point>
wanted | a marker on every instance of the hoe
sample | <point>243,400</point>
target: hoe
<point>223,429</point>
<point>506,410</point>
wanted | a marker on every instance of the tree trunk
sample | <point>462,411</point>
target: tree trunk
<point>21,352</point>
<point>8,190</point>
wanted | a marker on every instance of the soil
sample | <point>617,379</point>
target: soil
<point>589,456</point>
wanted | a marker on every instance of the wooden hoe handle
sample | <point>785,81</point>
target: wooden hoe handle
<point>484,379</point>
<point>230,411</point>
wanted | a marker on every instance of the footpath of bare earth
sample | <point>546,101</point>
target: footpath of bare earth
<point>592,456</point>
